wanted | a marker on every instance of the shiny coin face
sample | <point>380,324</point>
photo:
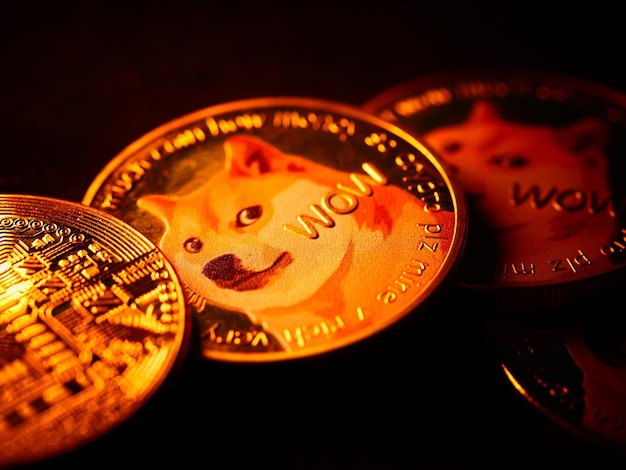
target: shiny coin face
<point>92,321</point>
<point>541,161</point>
<point>297,225</point>
<point>573,371</point>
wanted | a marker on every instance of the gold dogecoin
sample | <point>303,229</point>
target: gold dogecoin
<point>92,320</point>
<point>540,158</point>
<point>297,225</point>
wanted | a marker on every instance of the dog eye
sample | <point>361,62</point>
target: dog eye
<point>248,216</point>
<point>451,147</point>
<point>192,245</point>
<point>509,160</point>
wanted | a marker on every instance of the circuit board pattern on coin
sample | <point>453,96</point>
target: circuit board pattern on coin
<point>92,320</point>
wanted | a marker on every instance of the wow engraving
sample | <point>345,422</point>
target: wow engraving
<point>541,190</point>
<point>570,200</point>
<point>339,201</point>
<point>242,240</point>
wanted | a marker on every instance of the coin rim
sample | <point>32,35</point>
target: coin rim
<point>515,298</point>
<point>32,206</point>
<point>457,197</point>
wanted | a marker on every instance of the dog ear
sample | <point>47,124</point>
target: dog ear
<point>158,205</point>
<point>250,156</point>
<point>483,111</point>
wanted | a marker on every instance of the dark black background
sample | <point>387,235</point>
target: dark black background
<point>80,81</point>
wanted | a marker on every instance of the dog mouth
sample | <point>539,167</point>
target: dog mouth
<point>228,272</point>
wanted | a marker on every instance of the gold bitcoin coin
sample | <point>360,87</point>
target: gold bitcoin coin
<point>92,321</point>
<point>540,158</point>
<point>297,225</point>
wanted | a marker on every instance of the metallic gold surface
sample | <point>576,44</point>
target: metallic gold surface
<point>92,320</point>
<point>540,158</point>
<point>573,370</point>
<point>298,225</point>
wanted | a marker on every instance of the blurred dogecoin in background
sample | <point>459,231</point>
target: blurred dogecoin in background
<point>540,157</point>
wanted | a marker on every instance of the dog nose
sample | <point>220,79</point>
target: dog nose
<point>223,268</point>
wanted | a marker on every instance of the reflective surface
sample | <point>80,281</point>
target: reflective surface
<point>92,321</point>
<point>298,225</point>
<point>540,158</point>
<point>78,88</point>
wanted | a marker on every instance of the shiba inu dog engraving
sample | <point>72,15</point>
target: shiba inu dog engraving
<point>540,159</point>
<point>297,225</point>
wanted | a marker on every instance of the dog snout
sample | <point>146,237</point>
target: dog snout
<point>223,268</point>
